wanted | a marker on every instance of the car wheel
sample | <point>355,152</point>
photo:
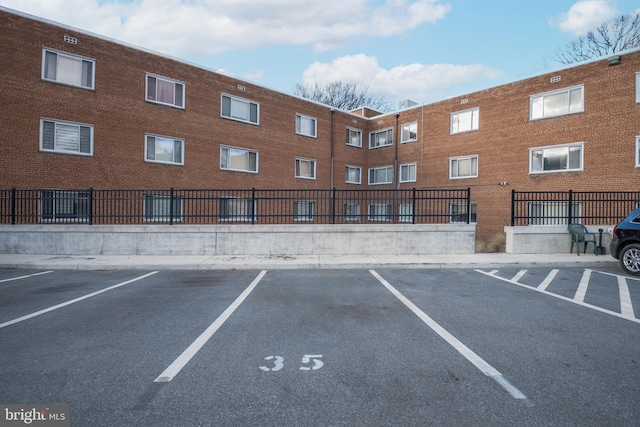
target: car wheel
<point>630,259</point>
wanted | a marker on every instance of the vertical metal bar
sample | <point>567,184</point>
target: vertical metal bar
<point>252,207</point>
<point>570,209</point>
<point>90,206</point>
<point>13,206</point>
<point>413,206</point>
<point>513,207</point>
<point>394,206</point>
<point>171,206</point>
<point>333,205</point>
<point>468,205</point>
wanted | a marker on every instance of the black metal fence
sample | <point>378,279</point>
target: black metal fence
<point>253,206</point>
<point>567,207</point>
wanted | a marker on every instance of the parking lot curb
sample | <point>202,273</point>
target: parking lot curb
<point>207,262</point>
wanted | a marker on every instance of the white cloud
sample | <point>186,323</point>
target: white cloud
<point>584,16</point>
<point>203,27</point>
<point>419,82</point>
<point>255,76</point>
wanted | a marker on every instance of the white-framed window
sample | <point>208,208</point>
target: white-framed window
<point>381,138</point>
<point>379,212</point>
<point>409,132</point>
<point>465,121</point>
<point>638,151</point>
<point>306,168</point>
<point>556,158</point>
<point>406,212</point>
<point>351,212</point>
<point>240,109</point>
<point>354,137</point>
<point>353,175</point>
<point>236,209</point>
<point>557,103</point>
<point>163,149</point>
<point>238,159</point>
<point>69,69</point>
<point>382,175</point>
<point>66,137</point>
<point>303,210</point>
<point>458,213</point>
<point>463,167</point>
<point>638,87</point>
<point>307,126</point>
<point>157,208</point>
<point>163,90</point>
<point>64,205</point>
<point>554,212</point>
<point>408,172</point>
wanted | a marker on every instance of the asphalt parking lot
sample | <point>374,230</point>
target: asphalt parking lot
<point>360,347</point>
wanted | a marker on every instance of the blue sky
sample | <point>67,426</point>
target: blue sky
<point>424,50</point>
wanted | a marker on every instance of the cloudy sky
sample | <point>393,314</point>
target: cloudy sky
<point>424,50</point>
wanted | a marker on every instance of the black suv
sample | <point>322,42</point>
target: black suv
<point>625,244</point>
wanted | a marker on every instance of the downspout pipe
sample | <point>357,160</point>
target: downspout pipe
<point>396,172</point>
<point>333,113</point>
<point>395,161</point>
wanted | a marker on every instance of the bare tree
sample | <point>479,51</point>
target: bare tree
<point>345,96</point>
<point>612,37</point>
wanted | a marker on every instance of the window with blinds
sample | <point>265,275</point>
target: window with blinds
<point>65,137</point>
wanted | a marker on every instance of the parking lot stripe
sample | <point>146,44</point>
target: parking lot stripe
<point>465,351</point>
<point>177,365</point>
<point>25,277</point>
<point>562,297</point>
<point>73,301</point>
<point>583,286</point>
<point>545,283</point>
<point>626,307</point>
<point>519,275</point>
<point>617,275</point>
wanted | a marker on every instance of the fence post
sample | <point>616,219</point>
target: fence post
<point>468,205</point>
<point>570,208</point>
<point>171,206</point>
<point>513,207</point>
<point>253,205</point>
<point>90,206</point>
<point>413,206</point>
<point>395,209</point>
<point>333,205</point>
<point>13,206</point>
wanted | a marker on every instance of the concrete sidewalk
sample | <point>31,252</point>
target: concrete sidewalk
<point>211,262</point>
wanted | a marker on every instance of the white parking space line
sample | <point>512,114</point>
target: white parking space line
<point>545,283</point>
<point>465,351</point>
<point>617,275</point>
<point>626,307</point>
<point>581,292</point>
<point>519,275</point>
<point>177,365</point>
<point>73,301</point>
<point>562,297</point>
<point>26,277</point>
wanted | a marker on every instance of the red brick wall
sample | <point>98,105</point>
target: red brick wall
<point>608,127</point>
<point>121,117</point>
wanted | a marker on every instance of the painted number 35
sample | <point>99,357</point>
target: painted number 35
<point>310,362</point>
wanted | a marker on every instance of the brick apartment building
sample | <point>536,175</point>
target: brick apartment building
<point>83,111</point>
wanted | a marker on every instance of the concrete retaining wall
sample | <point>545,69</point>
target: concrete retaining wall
<point>363,239</point>
<point>550,239</point>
